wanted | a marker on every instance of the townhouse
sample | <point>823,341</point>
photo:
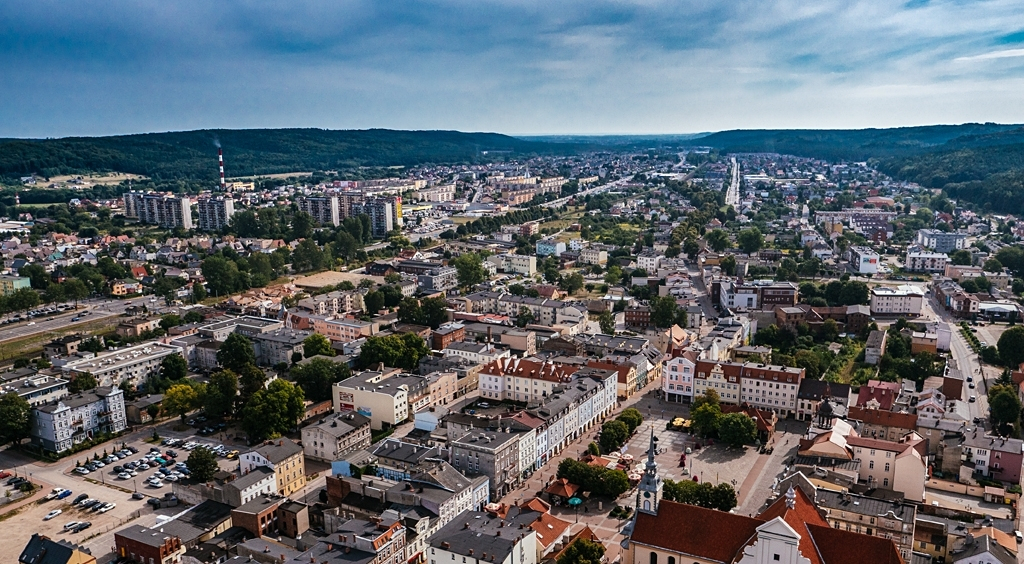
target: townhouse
<point>766,387</point>
<point>284,458</point>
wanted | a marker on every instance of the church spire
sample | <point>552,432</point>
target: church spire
<point>648,492</point>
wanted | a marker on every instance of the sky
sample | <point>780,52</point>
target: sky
<point>511,66</point>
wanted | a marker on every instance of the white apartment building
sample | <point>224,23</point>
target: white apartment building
<point>57,427</point>
<point>160,208</point>
<point>134,364</point>
<point>324,209</point>
<point>649,261</point>
<point>437,193</point>
<point>214,211</point>
<point>677,380</point>
<point>523,380</point>
<point>919,261</point>
<point>517,264</point>
<point>863,260</point>
<point>370,393</point>
<point>477,353</point>
<point>590,255</point>
<point>901,300</point>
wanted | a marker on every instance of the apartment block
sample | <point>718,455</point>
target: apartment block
<point>163,209</point>
<point>920,261</point>
<point>214,211</point>
<point>134,364</point>
<point>284,458</point>
<point>58,426</point>
<point>324,209</point>
<point>336,435</point>
<point>901,300</point>
<point>941,241</point>
<point>863,260</point>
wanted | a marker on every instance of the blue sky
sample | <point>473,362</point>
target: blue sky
<point>518,67</point>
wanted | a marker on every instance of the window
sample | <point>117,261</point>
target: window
<point>671,560</point>
<point>776,557</point>
<point>654,558</point>
<point>886,466</point>
<point>885,482</point>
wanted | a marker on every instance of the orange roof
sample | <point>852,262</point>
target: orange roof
<point>549,528</point>
<point>537,504</point>
<point>524,368</point>
<point>585,533</point>
<point>562,487</point>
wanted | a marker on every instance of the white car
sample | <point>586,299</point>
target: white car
<point>71,525</point>
<point>107,507</point>
<point>52,514</point>
<point>82,470</point>
<point>156,483</point>
<point>124,476</point>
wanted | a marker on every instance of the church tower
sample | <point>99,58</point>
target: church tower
<point>648,492</point>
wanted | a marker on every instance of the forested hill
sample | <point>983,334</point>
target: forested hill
<point>193,154</point>
<point>978,163</point>
<point>851,144</point>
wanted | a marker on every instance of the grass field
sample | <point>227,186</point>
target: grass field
<point>32,345</point>
<point>109,178</point>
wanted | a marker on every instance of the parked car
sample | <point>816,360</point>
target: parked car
<point>70,525</point>
<point>80,499</point>
<point>81,527</point>
<point>107,507</point>
<point>138,495</point>
<point>52,514</point>
<point>64,494</point>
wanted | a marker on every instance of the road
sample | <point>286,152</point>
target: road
<point>732,195</point>
<point>61,323</point>
<point>595,190</point>
<point>967,362</point>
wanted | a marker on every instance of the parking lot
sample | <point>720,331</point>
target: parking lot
<point>106,484</point>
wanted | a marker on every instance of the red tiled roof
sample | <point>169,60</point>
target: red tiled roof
<point>798,517</point>
<point>884,418</point>
<point>877,444</point>
<point>836,546</point>
<point>549,528</point>
<point>706,533</point>
<point>884,392</point>
<point>563,488</point>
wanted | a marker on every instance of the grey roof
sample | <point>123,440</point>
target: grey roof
<point>279,450</point>
<point>44,550</point>
<point>484,534</point>
<point>999,444</point>
<point>259,504</point>
<point>332,553</point>
<point>815,389</point>
<point>865,505</point>
<point>341,424</point>
<point>286,336</point>
<point>485,439</point>
<point>976,546</point>
<point>140,534</point>
<point>252,477</point>
<point>79,400</point>
<point>411,453</point>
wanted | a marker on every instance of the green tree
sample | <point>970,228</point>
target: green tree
<point>38,277</point>
<point>434,311</point>
<point>14,418</point>
<point>250,381</point>
<point>718,240</point>
<point>632,418</point>
<point>221,393</point>
<point>399,351</point>
<point>572,283</point>
<point>193,317</point>
<point>180,399</point>
<point>1011,346</point>
<point>854,293</point>
<point>470,267</point>
<point>173,367</point>
<point>170,320</point>
<point>302,226</point>
<point>317,344</point>
<point>613,275</point>
<point>829,331</point>
<point>710,397</point>
<point>202,463</point>
<point>750,240</point>
<point>663,311</point>
<point>992,265</point>
<point>614,434</point>
<point>198,292</point>
<point>1005,405</point>
<point>308,256</point>
<point>961,257</point>
<point>728,264</point>
<point>582,551</point>
<point>706,419</point>
<point>373,302</point>
<point>317,376</point>
<point>607,322</point>
<point>82,382</point>
<point>221,275</point>
<point>236,353</point>
<point>737,429</point>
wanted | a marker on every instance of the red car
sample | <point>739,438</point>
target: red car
<point>5,474</point>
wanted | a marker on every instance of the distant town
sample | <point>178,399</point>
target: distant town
<point>626,356</point>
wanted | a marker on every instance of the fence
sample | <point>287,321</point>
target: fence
<point>955,487</point>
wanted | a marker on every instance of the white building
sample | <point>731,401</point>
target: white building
<point>517,264</point>
<point>133,364</point>
<point>57,427</point>
<point>477,353</point>
<point>920,261</point>
<point>370,393</point>
<point>901,300</point>
<point>163,209</point>
<point>325,210</point>
<point>336,435</point>
<point>591,255</point>
<point>863,260</point>
<point>649,261</point>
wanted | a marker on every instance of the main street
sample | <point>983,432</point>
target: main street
<point>967,361</point>
<point>89,311</point>
<point>732,195</point>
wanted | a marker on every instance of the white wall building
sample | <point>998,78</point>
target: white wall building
<point>133,364</point>
<point>57,427</point>
<point>901,300</point>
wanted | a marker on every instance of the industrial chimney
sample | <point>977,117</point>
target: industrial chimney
<point>220,158</point>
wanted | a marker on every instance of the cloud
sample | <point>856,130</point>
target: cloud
<point>516,66</point>
<point>1003,54</point>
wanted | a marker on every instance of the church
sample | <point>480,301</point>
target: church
<point>790,531</point>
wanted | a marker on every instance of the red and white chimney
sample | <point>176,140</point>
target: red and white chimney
<point>220,157</point>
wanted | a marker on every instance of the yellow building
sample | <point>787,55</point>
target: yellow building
<point>282,456</point>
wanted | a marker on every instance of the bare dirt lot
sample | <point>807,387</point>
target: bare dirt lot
<point>333,278</point>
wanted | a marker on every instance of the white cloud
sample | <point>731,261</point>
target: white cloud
<point>1003,54</point>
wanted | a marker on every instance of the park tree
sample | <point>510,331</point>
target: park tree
<point>180,399</point>
<point>728,264</point>
<point>318,375</point>
<point>664,311</point>
<point>750,240</point>
<point>703,494</point>
<point>737,429</point>
<point>632,418</point>
<point>373,302</point>
<point>221,275</point>
<point>718,240</point>
<point>961,257</point>
<point>14,418</point>
<point>1011,346</point>
<point>250,380</point>
<point>706,419</point>
<point>399,351</point>
<point>572,283</point>
<point>202,463</point>
<point>470,268</point>
<point>614,434</point>
<point>1005,405</point>
<point>236,353</point>
<point>173,367</point>
<point>316,344</point>
<point>221,393</point>
<point>710,396</point>
<point>582,551</point>
<point>607,322</point>
<point>82,382</point>
<point>992,265</point>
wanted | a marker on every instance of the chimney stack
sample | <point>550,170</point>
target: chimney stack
<point>220,158</point>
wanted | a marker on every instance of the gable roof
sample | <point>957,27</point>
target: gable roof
<point>688,529</point>
<point>883,418</point>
